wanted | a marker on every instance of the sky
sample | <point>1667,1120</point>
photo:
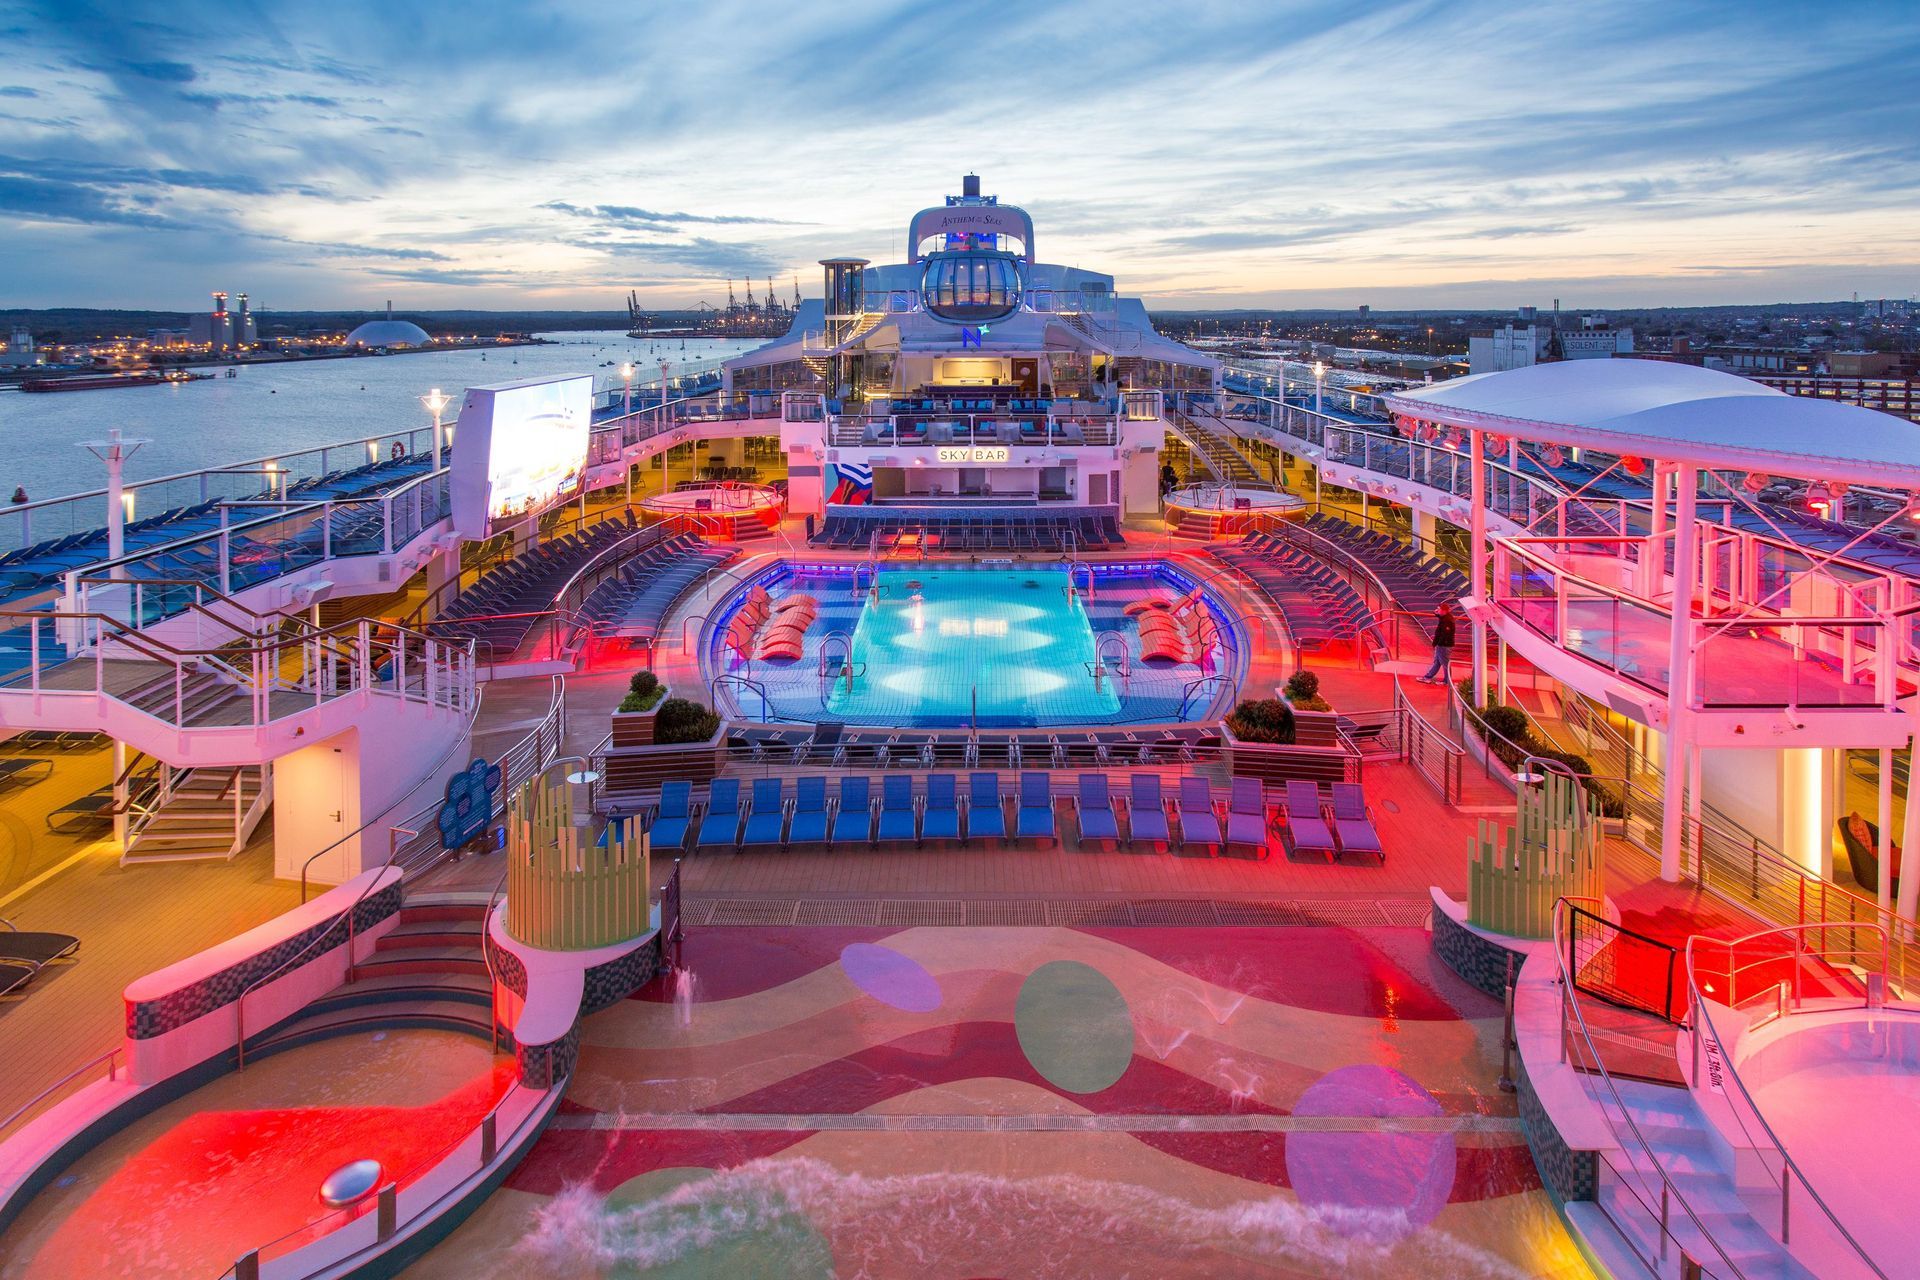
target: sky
<point>1465,153</point>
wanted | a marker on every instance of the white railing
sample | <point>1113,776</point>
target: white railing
<point>1854,974</point>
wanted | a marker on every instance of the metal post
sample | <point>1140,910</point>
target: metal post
<point>489,1139</point>
<point>389,1210</point>
<point>247,1267</point>
<point>1679,670</point>
<point>1477,532</point>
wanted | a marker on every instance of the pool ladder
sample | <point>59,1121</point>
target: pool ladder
<point>837,665</point>
<point>1110,644</point>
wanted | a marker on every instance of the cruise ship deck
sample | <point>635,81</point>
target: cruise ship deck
<point>972,780</point>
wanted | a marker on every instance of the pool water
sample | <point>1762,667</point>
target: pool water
<point>995,647</point>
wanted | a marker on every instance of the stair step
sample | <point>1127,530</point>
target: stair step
<point>207,853</point>
<point>449,934</point>
<point>448,1013</point>
<point>415,910</point>
<point>435,959</point>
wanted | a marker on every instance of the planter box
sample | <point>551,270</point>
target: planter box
<point>635,728</point>
<point>632,773</point>
<point>1309,761</point>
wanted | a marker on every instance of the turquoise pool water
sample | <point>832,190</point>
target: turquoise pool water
<point>997,647</point>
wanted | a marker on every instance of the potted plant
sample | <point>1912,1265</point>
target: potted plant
<point>635,722</point>
<point>1303,691</point>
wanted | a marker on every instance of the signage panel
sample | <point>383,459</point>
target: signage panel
<point>972,453</point>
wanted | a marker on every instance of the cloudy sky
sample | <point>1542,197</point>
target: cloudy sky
<point>1446,153</point>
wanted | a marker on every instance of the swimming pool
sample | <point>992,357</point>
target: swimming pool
<point>1001,645</point>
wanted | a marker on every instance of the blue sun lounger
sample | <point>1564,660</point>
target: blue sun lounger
<point>669,829</point>
<point>1147,811</point>
<point>940,819</point>
<point>986,815</point>
<point>1034,818</point>
<point>1198,825</point>
<point>1247,816</point>
<point>1353,823</point>
<point>1306,825</point>
<point>767,815</point>
<point>809,823</point>
<point>721,825</point>
<point>1093,810</point>
<point>853,823</point>
<point>896,809</point>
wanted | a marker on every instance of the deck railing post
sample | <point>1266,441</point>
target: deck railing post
<point>389,1210</point>
<point>247,1266</point>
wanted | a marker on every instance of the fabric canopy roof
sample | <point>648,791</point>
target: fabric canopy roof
<point>1677,413</point>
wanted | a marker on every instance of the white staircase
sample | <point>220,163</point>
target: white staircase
<point>200,814</point>
<point>1677,1135</point>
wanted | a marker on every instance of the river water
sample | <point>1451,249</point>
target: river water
<point>272,408</point>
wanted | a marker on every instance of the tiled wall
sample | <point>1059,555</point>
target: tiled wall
<point>606,984</point>
<point>150,1018</point>
<point>1479,960</point>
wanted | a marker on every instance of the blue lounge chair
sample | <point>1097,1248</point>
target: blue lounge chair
<point>1093,810</point>
<point>1352,822</point>
<point>896,809</point>
<point>986,816</point>
<point>809,822</point>
<point>669,829</point>
<point>1247,816</point>
<point>767,816</point>
<point>940,819</point>
<point>721,825</point>
<point>1306,825</point>
<point>1146,811</point>
<point>853,823</point>
<point>1198,824</point>
<point>1034,819</point>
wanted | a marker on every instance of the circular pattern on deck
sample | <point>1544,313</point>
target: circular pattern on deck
<point>1370,1184</point>
<point>890,977</point>
<point>1074,1026</point>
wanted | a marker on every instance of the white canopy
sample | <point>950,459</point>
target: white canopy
<point>1677,413</point>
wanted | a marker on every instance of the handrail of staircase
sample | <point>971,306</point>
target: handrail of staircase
<point>1669,1191</point>
<point>1703,1019</point>
<point>111,1057</point>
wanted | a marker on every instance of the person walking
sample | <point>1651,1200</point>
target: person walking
<point>1442,669</point>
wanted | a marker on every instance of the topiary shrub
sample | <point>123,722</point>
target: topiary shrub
<point>1508,722</point>
<point>1262,720</point>
<point>683,720</point>
<point>1303,691</point>
<point>642,692</point>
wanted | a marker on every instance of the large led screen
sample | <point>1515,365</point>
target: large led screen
<point>519,448</point>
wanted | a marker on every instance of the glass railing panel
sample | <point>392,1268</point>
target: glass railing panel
<point>1764,663</point>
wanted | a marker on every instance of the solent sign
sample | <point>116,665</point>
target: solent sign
<point>519,448</point>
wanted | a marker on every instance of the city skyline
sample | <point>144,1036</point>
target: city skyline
<point>1408,157</point>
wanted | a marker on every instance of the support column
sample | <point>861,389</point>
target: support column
<point>1423,528</point>
<point>1477,502</point>
<point>1652,565</point>
<point>1884,823</point>
<point>1679,675</point>
<point>1909,897</point>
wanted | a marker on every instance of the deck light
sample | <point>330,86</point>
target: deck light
<point>1755,481</point>
<point>1634,466</point>
<point>1553,456</point>
<point>1819,498</point>
<point>1913,507</point>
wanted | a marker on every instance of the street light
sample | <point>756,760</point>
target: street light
<point>626,377</point>
<point>436,402</point>
<point>1319,380</point>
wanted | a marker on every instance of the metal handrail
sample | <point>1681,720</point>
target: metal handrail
<point>1703,1018</point>
<point>111,1057</point>
<point>1569,1000</point>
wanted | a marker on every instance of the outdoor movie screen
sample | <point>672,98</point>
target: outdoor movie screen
<point>519,448</point>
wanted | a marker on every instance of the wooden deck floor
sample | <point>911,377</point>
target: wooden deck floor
<point>131,921</point>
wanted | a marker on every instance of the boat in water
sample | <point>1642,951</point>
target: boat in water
<point>107,382</point>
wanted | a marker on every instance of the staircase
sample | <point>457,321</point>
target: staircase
<point>201,814</point>
<point>1678,1138</point>
<point>427,972</point>
<point>1225,461</point>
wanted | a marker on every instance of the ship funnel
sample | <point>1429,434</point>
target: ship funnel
<point>970,186</point>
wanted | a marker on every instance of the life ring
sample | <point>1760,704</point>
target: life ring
<point>398,451</point>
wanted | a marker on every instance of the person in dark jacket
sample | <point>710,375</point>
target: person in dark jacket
<point>1442,669</point>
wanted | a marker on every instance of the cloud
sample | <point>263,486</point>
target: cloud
<point>1308,150</point>
<point>627,215</point>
